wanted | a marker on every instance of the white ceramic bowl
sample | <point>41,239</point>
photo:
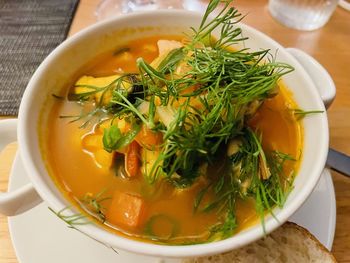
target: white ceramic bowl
<point>59,67</point>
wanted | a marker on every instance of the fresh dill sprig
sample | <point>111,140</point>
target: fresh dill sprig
<point>93,203</point>
<point>226,18</point>
<point>242,179</point>
<point>118,88</point>
<point>88,117</point>
<point>229,81</point>
<point>274,190</point>
<point>70,220</point>
<point>224,83</point>
<point>208,93</point>
<point>300,114</point>
<point>75,220</point>
<point>113,139</point>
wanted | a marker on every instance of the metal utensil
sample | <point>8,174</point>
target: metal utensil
<point>339,162</point>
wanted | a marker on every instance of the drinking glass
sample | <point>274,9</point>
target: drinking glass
<point>302,14</point>
<point>109,8</point>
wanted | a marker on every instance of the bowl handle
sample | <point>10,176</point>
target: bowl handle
<point>344,4</point>
<point>319,75</point>
<point>24,198</point>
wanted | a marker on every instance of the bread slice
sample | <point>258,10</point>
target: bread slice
<point>289,243</point>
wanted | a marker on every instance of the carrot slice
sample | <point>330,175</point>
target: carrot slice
<point>132,162</point>
<point>149,138</point>
<point>126,209</point>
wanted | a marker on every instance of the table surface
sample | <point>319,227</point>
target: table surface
<point>329,45</point>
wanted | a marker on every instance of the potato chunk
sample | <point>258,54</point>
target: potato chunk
<point>120,123</point>
<point>100,82</point>
<point>165,46</point>
<point>104,159</point>
<point>93,144</point>
<point>149,158</point>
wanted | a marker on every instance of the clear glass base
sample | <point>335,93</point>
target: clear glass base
<point>109,8</point>
<point>302,14</point>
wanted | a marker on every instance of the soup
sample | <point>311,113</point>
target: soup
<point>175,140</point>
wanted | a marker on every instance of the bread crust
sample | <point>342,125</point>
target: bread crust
<point>301,247</point>
<point>305,232</point>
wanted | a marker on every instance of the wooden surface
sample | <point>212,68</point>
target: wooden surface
<point>329,45</point>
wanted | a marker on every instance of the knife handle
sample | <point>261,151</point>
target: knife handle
<point>339,162</point>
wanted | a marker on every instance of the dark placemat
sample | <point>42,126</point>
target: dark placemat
<point>29,31</point>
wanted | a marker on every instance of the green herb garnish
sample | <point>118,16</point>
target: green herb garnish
<point>113,139</point>
<point>94,204</point>
<point>200,97</point>
<point>300,114</point>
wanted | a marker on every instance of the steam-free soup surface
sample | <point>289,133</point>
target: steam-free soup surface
<point>163,212</point>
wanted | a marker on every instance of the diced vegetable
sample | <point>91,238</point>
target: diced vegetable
<point>253,107</point>
<point>149,158</point>
<point>263,167</point>
<point>88,84</point>
<point>120,123</point>
<point>143,108</point>
<point>166,115</point>
<point>162,227</point>
<point>148,138</point>
<point>165,46</point>
<point>233,146</point>
<point>132,159</point>
<point>126,209</point>
<point>93,144</point>
<point>104,159</point>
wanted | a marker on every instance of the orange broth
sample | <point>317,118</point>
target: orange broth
<point>76,173</point>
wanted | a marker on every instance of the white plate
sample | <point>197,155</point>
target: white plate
<point>39,236</point>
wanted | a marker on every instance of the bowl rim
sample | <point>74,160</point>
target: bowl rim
<point>113,240</point>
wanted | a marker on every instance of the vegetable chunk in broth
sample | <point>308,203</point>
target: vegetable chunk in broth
<point>173,139</point>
